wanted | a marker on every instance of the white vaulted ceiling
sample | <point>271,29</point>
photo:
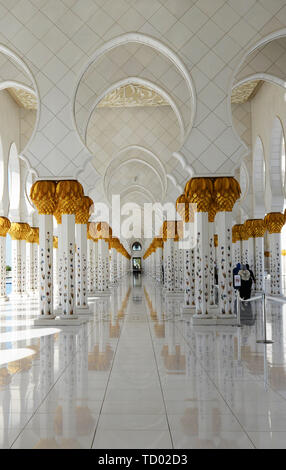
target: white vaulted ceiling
<point>186,53</point>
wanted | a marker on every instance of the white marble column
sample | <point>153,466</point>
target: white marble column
<point>90,266</point>
<point>19,232</point>
<point>176,266</point>
<point>95,264</point>
<point>68,273</point>
<point>274,222</point>
<point>56,266</point>
<point>103,265</point>
<point>169,273</point>
<point>202,267</point>
<point>275,263</point>
<point>119,256</point>
<point>159,263</point>
<point>46,266</point>
<point>259,263</point>
<point>211,263</point>
<point>245,249</point>
<point>113,266</point>
<point>81,268</point>
<point>43,195</point>
<point>29,268</point>
<point>5,225</point>
<point>3,296</point>
<point>32,254</point>
<point>225,273</point>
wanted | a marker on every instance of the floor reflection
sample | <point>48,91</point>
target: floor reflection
<point>138,374</point>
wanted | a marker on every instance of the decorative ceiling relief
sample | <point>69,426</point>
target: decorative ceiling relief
<point>245,92</point>
<point>132,95</point>
<point>23,98</point>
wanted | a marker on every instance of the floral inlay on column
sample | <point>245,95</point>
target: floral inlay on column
<point>274,222</point>
<point>43,195</point>
<point>226,192</point>
<point>18,232</point>
<point>69,194</point>
<point>81,220</point>
<point>5,225</point>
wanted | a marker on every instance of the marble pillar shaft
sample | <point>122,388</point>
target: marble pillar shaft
<point>225,280</point>
<point>275,263</point>
<point>68,273</point>
<point>259,263</point>
<point>46,264</point>
<point>81,265</point>
<point>3,295</point>
<point>202,264</point>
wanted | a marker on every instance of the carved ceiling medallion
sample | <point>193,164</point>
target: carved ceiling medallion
<point>132,95</point>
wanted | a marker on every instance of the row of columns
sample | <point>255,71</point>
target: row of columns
<point>78,262</point>
<point>248,248</point>
<point>205,201</point>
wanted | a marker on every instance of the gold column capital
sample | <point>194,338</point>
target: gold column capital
<point>43,195</point>
<point>256,227</point>
<point>33,235</point>
<point>83,212</point>
<point>274,222</point>
<point>199,191</point>
<point>5,225</point>
<point>226,192</point>
<point>19,230</point>
<point>69,194</point>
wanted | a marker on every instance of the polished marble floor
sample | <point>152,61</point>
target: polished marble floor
<point>138,375</point>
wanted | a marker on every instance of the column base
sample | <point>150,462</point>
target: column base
<point>203,320</point>
<point>173,295</point>
<point>188,309</point>
<point>226,319</point>
<point>32,293</point>
<point>276,297</point>
<point>18,296</point>
<point>83,311</point>
<point>102,293</point>
<point>45,320</point>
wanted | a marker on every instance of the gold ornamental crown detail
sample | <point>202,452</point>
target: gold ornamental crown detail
<point>158,242</point>
<point>274,222</point>
<point>226,192</point>
<point>212,212</point>
<point>185,209</point>
<point>236,233</point>
<point>69,194</point>
<point>216,240</point>
<point>58,216</point>
<point>55,242</point>
<point>43,195</point>
<point>84,210</point>
<point>5,225</point>
<point>241,233</point>
<point>19,230</point>
<point>33,235</point>
<point>256,227</point>
<point>199,191</point>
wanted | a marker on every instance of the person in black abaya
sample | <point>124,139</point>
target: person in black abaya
<point>246,283</point>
